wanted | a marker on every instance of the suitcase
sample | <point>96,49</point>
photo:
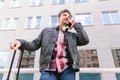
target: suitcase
<point>9,72</point>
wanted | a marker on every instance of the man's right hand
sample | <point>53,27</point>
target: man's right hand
<point>14,45</point>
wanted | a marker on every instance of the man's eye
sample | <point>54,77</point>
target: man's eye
<point>69,17</point>
<point>64,14</point>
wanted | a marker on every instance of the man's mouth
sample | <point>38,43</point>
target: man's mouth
<point>65,21</point>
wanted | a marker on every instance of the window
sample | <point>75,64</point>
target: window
<point>117,76</point>
<point>28,59</point>
<point>118,52</point>
<point>102,0</point>
<point>111,17</point>
<point>29,22</point>
<point>15,22</point>
<point>58,1</point>
<point>85,19</point>
<point>16,3</point>
<point>89,65</point>
<point>116,57</point>
<point>33,22</point>
<point>6,23</point>
<point>95,65</point>
<point>81,61</point>
<point>93,51</point>
<point>94,58</point>
<point>26,76</point>
<point>38,20</point>
<point>3,59</point>
<point>2,3</point>
<point>36,2</point>
<point>2,0</point>
<point>80,1</point>
<point>1,76</point>
<point>53,21</point>
<point>87,52</point>
<point>88,58</point>
<point>10,23</point>
<point>90,76</point>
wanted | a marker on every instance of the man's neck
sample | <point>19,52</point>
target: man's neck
<point>61,26</point>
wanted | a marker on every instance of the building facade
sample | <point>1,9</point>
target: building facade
<point>24,19</point>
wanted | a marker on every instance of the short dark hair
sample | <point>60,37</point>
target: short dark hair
<point>64,10</point>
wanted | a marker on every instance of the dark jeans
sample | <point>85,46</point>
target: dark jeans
<point>67,74</point>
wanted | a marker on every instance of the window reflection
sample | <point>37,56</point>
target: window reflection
<point>85,19</point>
<point>3,59</point>
<point>28,59</point>
<point>111,17</point>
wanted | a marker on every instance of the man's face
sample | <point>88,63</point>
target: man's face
<point>64,18</point>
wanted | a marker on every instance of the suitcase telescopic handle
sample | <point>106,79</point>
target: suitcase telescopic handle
<point>20,60</point>
<point>17,75</point>
<point>11,65</point>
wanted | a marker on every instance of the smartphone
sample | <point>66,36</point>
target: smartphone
<point>69,24</point>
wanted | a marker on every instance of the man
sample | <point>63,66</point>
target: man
<point>59,59</point>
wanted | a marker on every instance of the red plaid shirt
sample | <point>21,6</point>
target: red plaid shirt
<point>59,56</point>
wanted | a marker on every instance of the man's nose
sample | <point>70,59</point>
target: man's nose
<point>67,17</point>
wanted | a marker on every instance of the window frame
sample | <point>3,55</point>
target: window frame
<point>109,13</point>
<point>81,20</point>
<point>33,22</point>
<point>5,58</point>
<point>81,1</point>
<point>16,3</point>
<point>36,3</point>
<point>53,25</point>
<point>57,2</point>
<point>11,24</point>
<point>2,3</point>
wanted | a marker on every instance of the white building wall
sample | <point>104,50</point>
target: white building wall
<point>102,37</point>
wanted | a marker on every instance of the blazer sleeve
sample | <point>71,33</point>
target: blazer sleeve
<point>33,45</point>
<point>82,37</point>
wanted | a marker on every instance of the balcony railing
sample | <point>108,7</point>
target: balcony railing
<point>82,70</point>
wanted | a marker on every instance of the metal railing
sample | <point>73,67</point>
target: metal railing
<point>82,70</point>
